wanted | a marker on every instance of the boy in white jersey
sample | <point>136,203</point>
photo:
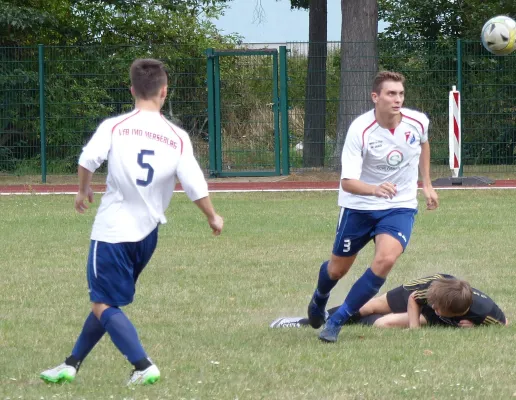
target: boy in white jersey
<point>377,196</point>
<point>145,153</point>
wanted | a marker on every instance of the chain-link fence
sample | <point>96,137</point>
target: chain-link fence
<point>60,94</point>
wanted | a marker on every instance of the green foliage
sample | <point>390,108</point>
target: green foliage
<point>299,4</point>
<point>89,81</point>
<point>81,22</point>
<point>431,20</point>
<point>421,41</point>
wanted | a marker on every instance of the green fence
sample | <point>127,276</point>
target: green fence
<point>82,86</point>
<point>74,88</point>
<point>488,92</point>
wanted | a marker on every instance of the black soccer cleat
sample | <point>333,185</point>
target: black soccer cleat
<point>316,316</point>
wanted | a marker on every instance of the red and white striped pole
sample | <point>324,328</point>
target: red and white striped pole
<point>454,131</point>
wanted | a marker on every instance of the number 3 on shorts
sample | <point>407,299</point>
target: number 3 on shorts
<point>346,245</point>
<point>147,166</point>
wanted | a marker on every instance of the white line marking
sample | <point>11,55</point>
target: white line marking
<point>265,190</point>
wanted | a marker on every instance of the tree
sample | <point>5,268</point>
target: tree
<point>93,42</point>
<point>314,136</point>
<point>358,63</point>
<point>431,20</point>
<point>82,22</point>
<point>425,33</point>
<point>315,93</point>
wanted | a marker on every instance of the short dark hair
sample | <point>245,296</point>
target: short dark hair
<point>148,76</point>
<point>450,295</point>
<point>385,76</point>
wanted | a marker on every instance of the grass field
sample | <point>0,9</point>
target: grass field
<point>204,303</point>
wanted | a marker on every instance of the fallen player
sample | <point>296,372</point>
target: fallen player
<point>435,300</point>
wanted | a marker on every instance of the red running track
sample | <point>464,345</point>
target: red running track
<point>217,186</point>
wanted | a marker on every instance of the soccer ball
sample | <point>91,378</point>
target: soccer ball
<point>499,34</point>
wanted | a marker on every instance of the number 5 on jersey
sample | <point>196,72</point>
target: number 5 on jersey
<point>147,166</point>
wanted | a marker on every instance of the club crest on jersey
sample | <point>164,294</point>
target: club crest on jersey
<point>409,137</point>
<point>395,158</point>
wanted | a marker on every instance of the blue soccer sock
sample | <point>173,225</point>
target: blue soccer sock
<point>91,333</point>
<point>324,286</point>
<point>361,292</point>
<point>123,334</point>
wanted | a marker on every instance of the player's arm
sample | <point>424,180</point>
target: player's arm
<point>495,317</point>
<point>413,311</point>
<point>432,200</point>
<point>385,190</point>
<point>214,220</point>
<point>92,156</point>
<point>192,180</point>
<point>351,161</point>
<point>85,191</point>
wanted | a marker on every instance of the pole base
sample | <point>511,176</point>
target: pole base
<point>463,181</point>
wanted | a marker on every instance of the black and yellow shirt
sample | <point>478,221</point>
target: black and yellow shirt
<point>483,310</point>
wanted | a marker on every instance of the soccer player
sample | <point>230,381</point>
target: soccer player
<point>439,299</point>
<point>377,196</point>
<point>145,153</point>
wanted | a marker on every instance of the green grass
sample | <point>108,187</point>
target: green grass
<point>204,303</point>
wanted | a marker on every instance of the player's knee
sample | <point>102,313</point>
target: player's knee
<point>383,263</point>
<point>381,323</point>
<point>337,270</point>
<point>98,309</point>
<point>384,323</point>
<point>336,273</point>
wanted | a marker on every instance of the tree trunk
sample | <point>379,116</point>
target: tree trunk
<point>359,64</point>
<point>315,98</point>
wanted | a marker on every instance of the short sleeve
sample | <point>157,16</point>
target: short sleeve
<point>425,122</point>
<point>190,174</point>
<point>351,158</point>
<point>97,149</point>
<point>420,297</point>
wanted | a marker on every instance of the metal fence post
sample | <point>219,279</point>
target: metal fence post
<point>211,111</point>
<point>42,125</point>
<point>285,136</point>
<point>459,88</point>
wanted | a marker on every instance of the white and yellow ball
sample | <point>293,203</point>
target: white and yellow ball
<point>499,35</point>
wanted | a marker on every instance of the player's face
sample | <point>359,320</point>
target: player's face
<point>444,313</point>
<point>390,99</point>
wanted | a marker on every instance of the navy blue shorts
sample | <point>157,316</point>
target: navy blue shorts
<point>113,269</point>
<point>357,227</point>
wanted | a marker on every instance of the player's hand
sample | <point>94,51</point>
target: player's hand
<point>386,190</point>
<point>432,200</point>
<point>216,224</point>
<point>464,323</point>
<point>80,198</point>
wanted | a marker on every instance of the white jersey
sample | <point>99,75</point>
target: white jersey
<point>376,155</point>
<point>145,153</point>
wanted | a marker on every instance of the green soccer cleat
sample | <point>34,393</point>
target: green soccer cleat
<point>60,374</point>
<point>146,377</point>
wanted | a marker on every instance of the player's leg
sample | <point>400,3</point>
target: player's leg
<point>397,320</point>
<point>353,233</point>
<point>392,235</point>
<point>338,266</point>
<point>92,332</point>
<point>125,337</point>
<point>131,260</point>
<point>377,305</point>
<point>392,231</point>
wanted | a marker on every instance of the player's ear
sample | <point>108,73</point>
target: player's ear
<point>163,92</point>
<point>374,97</point>
<point>132,91</point>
